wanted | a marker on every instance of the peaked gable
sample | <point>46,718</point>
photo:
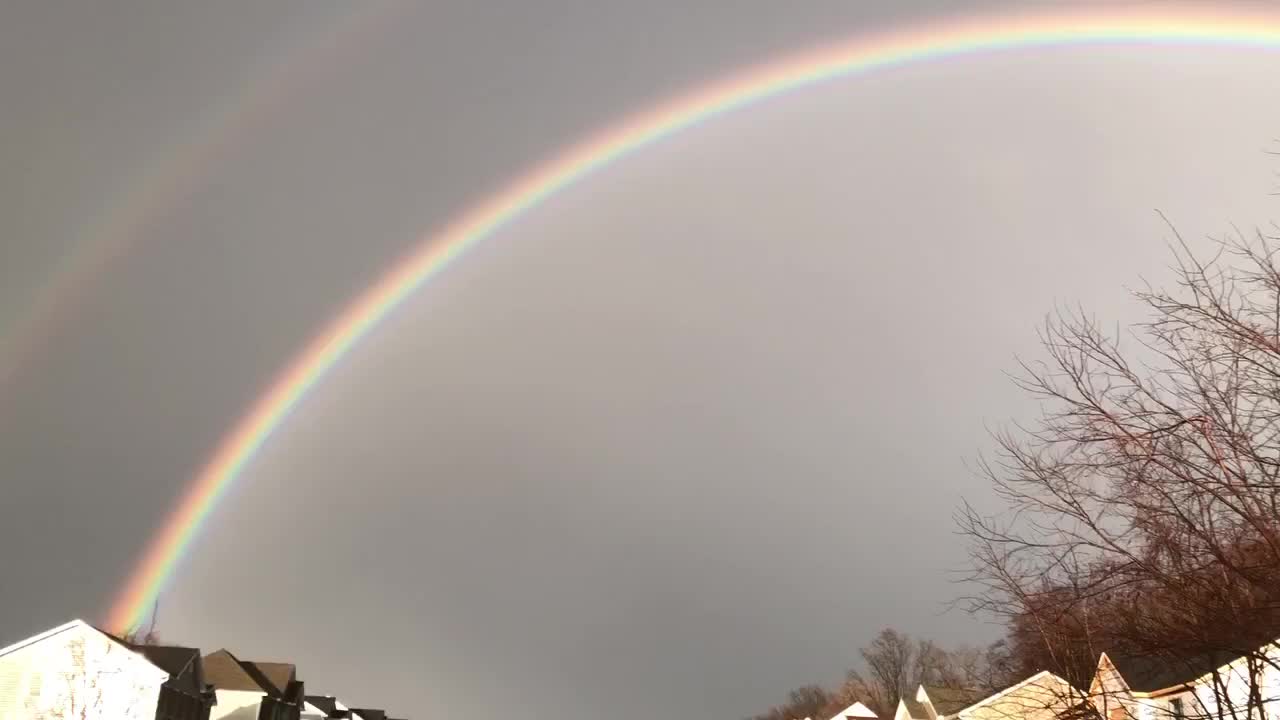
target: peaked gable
<point>856,710</point>
<point>1041,695</point>
<point>911,709</point>
<point>223,671</point>
<point>75,665</point>
<point>1153,674</point>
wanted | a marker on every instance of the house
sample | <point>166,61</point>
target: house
<point>185,695</point>
<point>855,711</point>
<point>76,670</point>
<point>253,690</point>
<point>934,703</point>
<point>324,707</point>
<point>1043,696</point>
<point>1215,684</point>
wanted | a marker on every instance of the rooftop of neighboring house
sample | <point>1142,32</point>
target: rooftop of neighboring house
<point>182,663</point>
<point>329,705</point>
<point>225,671</point>
<point>915,709</point>
<point>1151,673</point>
<point>1040,692</point>
<point>948,700</point>
<point>275,676</point>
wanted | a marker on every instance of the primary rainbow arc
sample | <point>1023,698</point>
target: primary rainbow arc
<point>1128,26</point>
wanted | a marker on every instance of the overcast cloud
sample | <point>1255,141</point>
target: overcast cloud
<point>678,441</point>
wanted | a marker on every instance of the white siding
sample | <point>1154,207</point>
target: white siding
<point>76,673</point>
<point>236,705</point>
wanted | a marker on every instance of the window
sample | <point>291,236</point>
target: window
<point>1175,709</point>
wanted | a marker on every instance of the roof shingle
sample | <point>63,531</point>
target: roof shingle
<point>1148,674</point>
<point>947,700</point>
<point>223,671</point>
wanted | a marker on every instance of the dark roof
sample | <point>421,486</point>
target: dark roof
<point>170,658</point>
<point>1148,674</point>
<point>273,677</point>
<point>179,662</point>
<point>367,714</point>
<point>948,700</point>
<point>223,671</point>
<point>227,672</point>
<point>915,709</point>
<point>327,704</point>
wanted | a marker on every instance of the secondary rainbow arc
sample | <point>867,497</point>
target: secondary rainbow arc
<point>168,178</point>
<point>1199,25</point>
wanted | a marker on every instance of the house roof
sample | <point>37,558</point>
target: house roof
<point>1043,675</point>
<point>327,705</point>
<point>275,675</point>
<point>179,662</point>
<point>366,714</point>
<point>947,700</point>
<point>51,632</point>
<point>77,624</point>
<point>915,709</point>
<point>225,672</point>
<point>1149,674</point>
<point>172,659</point>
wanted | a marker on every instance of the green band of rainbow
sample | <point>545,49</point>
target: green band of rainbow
<point>1220,25</point>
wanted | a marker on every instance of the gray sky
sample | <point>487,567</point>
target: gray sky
<point>680,440</point>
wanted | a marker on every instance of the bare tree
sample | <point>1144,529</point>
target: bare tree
<point>1142,512</point>
<point>147,636</point>
<point>895,665</point>
<point>808,701</point>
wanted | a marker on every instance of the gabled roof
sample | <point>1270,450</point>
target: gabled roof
<point>180,662</point>
<point>225,672</point>
<point>172,659</point>
<point>328,705</point>
<point>45,636</point>
<point>856,710</point>
<point>273,676</point>
<point>78,625</point>
<point>1033,680</point>
<point>1151,674</point>
<point>947,700</point>
<point>915,709</point>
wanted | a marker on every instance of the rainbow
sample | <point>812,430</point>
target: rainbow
<point>1145,25</point>
<point>158,187</point>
